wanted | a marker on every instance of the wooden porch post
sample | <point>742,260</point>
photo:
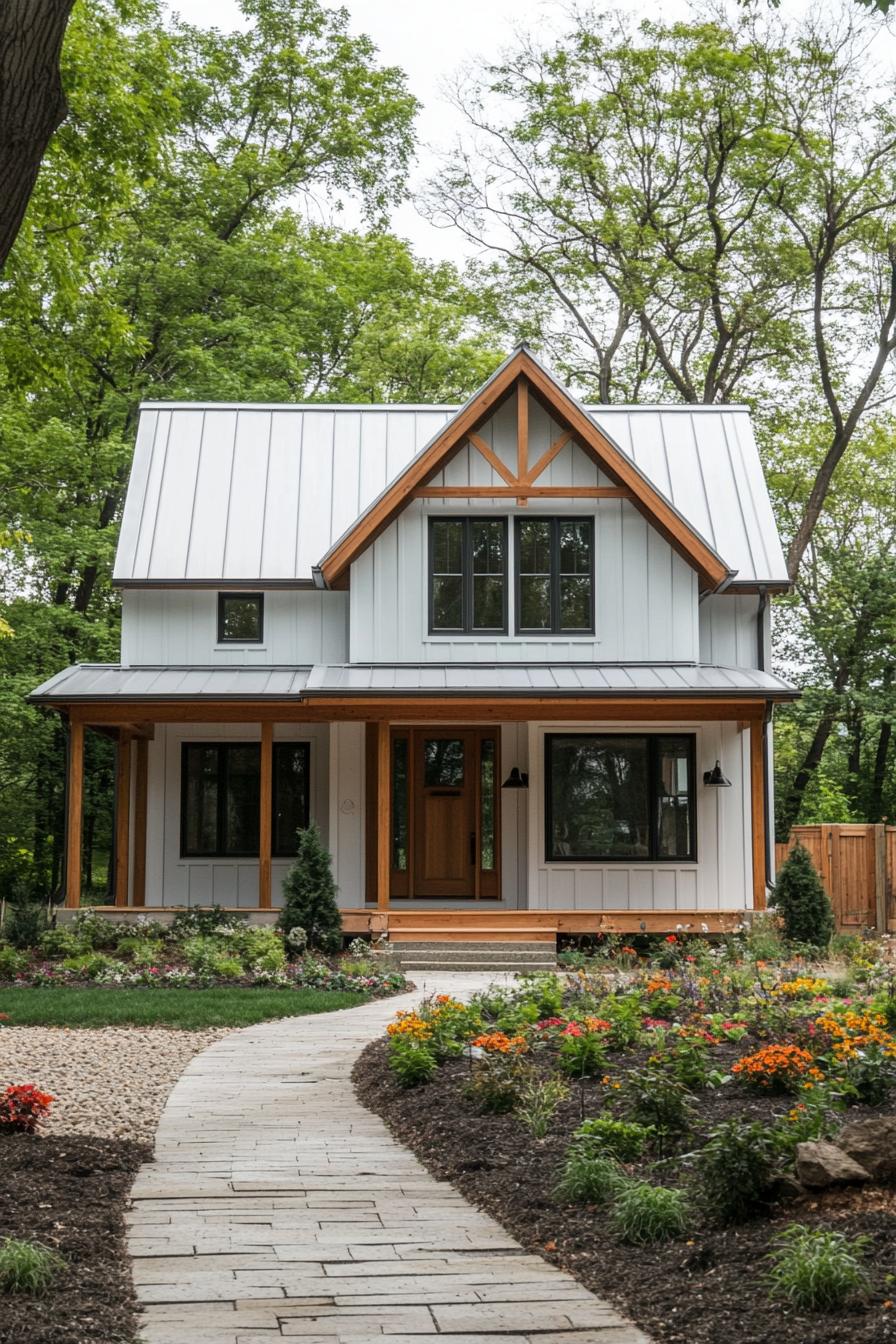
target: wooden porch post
<point>122,816</point>
<point>383,814</point>
<point>74,811</point>
<point>141,798</point>
<point>757,807</point>
<point>265,814</point>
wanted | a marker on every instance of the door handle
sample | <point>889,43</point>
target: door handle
<point>472,848</point>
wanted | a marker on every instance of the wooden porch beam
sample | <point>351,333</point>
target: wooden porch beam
<point>141,802</point>
<point>265,814</point>
<point>74,814</point>
<point>122,816</point>
<point>757,808</point>
<point>383,814</point>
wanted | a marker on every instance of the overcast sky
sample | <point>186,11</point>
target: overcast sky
<point>432,43</point>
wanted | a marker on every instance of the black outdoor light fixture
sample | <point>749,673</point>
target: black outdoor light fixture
<point>714,779</point>
<point>517,779</point>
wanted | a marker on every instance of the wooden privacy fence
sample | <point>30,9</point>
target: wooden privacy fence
<point>857,866</point>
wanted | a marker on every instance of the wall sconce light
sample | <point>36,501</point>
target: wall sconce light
<point>517,779</point>
<point>714,779</point>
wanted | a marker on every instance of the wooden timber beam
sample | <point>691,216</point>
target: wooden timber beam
<point>265,814</point>
<point>74,814</point>
<point>383,813</point>
<point>456,709</point>
<point>757,811</point>
<point>122,816</point>
<point>548,456</point>
<point>522,429</point>
<point>141,802</point>
<point>491,458</point>
<point>523,491</point>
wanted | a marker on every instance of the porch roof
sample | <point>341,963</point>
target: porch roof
<point>99,682</point>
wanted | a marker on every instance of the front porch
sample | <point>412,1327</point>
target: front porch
<point>527,894</point>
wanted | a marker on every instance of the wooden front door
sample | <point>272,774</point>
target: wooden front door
<point>454,806</point>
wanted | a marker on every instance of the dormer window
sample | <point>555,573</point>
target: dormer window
<point>468,576</point>
<point>240,618</point>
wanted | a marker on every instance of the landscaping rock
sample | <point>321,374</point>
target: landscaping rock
<point>871,1143</point>
<point>819,1163</point>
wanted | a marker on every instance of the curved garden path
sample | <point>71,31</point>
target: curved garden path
<point>278,1207</point>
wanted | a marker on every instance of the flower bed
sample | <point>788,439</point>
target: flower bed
<point>198,950</point>
<point>641,1124</point>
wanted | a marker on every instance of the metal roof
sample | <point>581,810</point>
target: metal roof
<point>254,494</point>
<point>104,681</point>
<point>148,684</point>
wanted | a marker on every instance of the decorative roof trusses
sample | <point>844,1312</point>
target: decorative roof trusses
<point>521,375</point>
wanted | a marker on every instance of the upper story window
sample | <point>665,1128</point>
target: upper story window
<point>240,618</point>
<point>555,576</point>
<point>468,576</point>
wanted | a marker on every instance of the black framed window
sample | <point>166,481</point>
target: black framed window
<point>220,798</point>
<point>467,575</point>
<point>240,618</point>
<point>616,797</point>
<point>555,576</point>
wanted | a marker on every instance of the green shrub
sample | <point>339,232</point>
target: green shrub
<point>90,964</point>
<point>27,1267</point>
<point>495,1082</point>
<point>688,1061</point>
<point>12,962</point>
<point>24,924</point>
<point>624,1013</point>
<point>763,939</point>
<point>538,1102</point>
<point>309,894</point>
<point>92,930</point>
<point>737,1169</point>
<point>583,1056</point>
<point>870,1076</point>
<point>643,1213</point>
<point>802,901</point>
<point>545,992</point>
<point>60,942</point>
<point>655,1097</point>
<point>411,1062</point>
<point>141,951</point>
<point>226,966</point>
<point>588,1177</point>
<point>143,929</point>
<point>818,1270</point>
<point>622,1139</point>
<point>202,921</point>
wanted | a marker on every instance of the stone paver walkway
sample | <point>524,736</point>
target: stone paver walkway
<point>277,1207</point>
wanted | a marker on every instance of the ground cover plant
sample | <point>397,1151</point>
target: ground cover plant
<point>201,949</point>
<point>647,1117</point>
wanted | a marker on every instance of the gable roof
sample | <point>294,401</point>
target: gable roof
<point>257,495</point>
<point>520,372</point>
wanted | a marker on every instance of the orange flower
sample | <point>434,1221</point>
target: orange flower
<point>776,1066</point>
<point>499,1043</point>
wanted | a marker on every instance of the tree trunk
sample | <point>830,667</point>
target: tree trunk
<point>885,733</point>
<point>32,102</point>
<point>790,808</point>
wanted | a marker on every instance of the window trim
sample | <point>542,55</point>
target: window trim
<point>305,820</point>
<point>555,628</point>
<point>467,630</point>
<point>221,748</point>
<point>653,756</point>
<point>223,597</point>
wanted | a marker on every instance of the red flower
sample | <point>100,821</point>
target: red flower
<point>670,938</point>
<point>22,1107</point>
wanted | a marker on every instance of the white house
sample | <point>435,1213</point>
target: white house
<point>504,655</point>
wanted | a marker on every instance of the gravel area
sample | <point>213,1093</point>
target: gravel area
<point>109,1081</point>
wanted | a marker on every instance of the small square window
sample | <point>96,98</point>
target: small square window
<point>240,618</point>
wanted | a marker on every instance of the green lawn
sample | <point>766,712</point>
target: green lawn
<point>191,1009</point>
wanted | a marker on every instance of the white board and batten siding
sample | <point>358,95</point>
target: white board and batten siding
<point>179,627</point>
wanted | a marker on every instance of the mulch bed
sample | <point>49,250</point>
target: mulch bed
<point>709,1289</point>
<point>70,1193</point>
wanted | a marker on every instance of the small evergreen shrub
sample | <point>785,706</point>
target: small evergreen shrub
<point>623,1139</point>
<point>309,894</point>
<point>818,1270</point>
<point>802,901</point>
<point>643,1213</point>
<point>737,1169</point>
<point>24,924</point>
<point>27,1267</point>
<point>588,1177</point>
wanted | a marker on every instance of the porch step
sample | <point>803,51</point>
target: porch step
<point>434,955</point>
<point>470,934</point>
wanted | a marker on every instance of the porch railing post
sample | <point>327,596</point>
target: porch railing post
<point>383,815</point>
<point>265,815</point>
<point>74,814</point>
<point>122,816</point>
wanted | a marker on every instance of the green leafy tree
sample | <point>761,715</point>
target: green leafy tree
<point>802,901</point>
<point>309,894</point>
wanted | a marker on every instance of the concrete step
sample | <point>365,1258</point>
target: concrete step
<point>458,933</point>
<point>537,951</point>
<point>511,967</point>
